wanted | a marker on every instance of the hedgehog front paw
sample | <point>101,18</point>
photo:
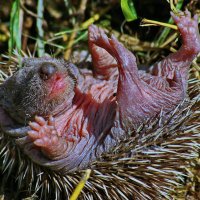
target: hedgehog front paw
<point>44,135</point>
<point>42,130</point>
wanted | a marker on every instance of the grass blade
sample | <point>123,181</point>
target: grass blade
<point>128,10</point>
<point>40,42</point>
<point>15,27</point>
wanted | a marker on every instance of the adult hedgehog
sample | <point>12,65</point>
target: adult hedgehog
<point>114,120</point>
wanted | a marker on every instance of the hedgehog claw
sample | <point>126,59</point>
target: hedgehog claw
<point>35,126</point>
<point>33,134</point>
<point>40,120</point>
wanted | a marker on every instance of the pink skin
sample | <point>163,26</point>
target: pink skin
<point>165,87</point>
<point>181,60</point>
<point>57,86</point>
<point>113,99</point>
<point>45,136</point>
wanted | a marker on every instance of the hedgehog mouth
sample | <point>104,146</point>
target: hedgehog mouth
<point>57,85</point>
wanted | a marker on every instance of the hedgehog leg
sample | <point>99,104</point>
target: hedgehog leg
<point>182,59</point>
<point>45,136</point>
<point>134,101</point>
<point>104,64</point>
<point>133,96</point>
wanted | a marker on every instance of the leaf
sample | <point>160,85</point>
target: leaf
<point>15,27</point>
<point>128,10</point>
<point>166,30</point>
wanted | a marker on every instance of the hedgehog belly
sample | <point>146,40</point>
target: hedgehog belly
<point>93,110</point>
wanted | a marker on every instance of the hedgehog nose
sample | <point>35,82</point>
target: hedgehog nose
<point>47,70</point>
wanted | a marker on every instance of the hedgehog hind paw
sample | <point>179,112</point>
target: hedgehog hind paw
<point>104,63</point>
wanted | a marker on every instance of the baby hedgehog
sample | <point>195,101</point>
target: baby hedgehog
<point>64,118</point>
